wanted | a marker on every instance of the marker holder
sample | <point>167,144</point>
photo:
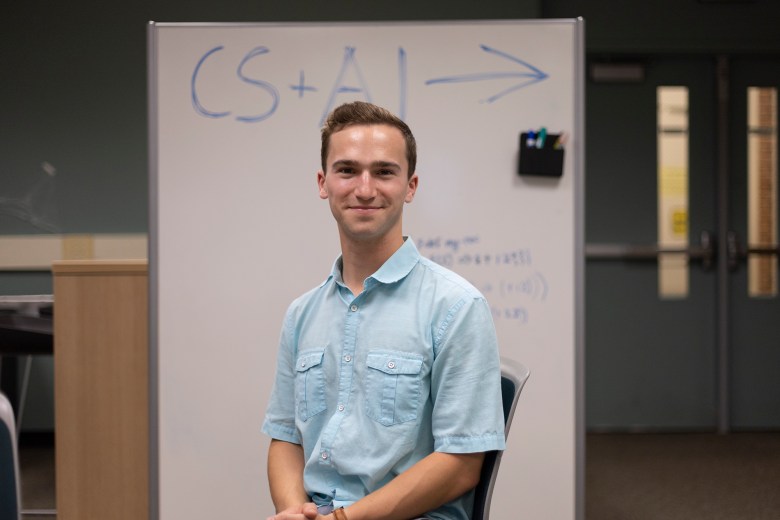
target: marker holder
<point>546,161</point>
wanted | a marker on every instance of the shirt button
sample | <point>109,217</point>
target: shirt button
<point>303,364</point>
<point>341,408</point>
<point>324,455</point>
<point>391,365</point>
<point>347,358</point>
<point>353,308</point>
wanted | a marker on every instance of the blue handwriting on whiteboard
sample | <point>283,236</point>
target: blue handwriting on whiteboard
<point>534,286</point>
<point>519,314</point>
<point>506,277</point>
<point>200,109</point>
<point>531,75</point>
<point>339,88</point>
<point>451,244</point>
<point>302,87</point>
<point>264,85</point>
<point>257,51</point>
<point>402,82</point>
<point>349,64</point>
<point>453,251</point>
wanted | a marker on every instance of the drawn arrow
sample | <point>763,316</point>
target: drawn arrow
<point>533,75</point>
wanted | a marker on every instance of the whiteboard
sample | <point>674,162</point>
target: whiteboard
<point>238,230</point>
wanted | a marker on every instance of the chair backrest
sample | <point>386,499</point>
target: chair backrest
<point>513,378</point>
<point>10,498</point>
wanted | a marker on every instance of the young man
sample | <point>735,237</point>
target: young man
<point>387,390</point>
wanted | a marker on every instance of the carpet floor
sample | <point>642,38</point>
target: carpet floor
<point>686,476</point>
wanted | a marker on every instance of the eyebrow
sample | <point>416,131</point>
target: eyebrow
<point>375,164</point>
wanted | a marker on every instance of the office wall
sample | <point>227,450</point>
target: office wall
<point>674,26</point>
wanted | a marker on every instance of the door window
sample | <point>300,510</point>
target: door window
<point>762,189</point>
<point>672,166</point>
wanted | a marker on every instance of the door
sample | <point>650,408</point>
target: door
<point>754,307</point>
<point>683,347</point>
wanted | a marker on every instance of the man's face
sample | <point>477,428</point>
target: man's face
<point>367,182</point>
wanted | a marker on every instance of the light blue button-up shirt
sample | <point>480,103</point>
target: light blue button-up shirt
<point>369,385</point>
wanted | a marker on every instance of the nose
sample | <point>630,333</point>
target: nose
<point>365,188</point>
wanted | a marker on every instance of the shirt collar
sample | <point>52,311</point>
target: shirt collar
<point>394,269</point>
<point>399,265</point>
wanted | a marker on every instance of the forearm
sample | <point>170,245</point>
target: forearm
<point>435,480</point>
<point>285,475</point>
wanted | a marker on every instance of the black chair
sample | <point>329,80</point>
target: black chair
<point>10,498</point>
<point>513,378</point>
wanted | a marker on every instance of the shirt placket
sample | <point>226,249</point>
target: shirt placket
<point>346,374</point>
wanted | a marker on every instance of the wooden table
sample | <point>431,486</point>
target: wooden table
<point>101,389</point>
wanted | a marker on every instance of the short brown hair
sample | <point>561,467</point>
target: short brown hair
<point>362,113</point>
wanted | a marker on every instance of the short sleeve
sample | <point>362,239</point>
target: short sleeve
<point>466,381</point>
<point>279,420</point>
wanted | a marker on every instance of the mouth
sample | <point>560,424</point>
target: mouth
<point>365,212</point>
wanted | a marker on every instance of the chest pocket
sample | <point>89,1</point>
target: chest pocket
<point>393,382</point>
<point>309,384</point>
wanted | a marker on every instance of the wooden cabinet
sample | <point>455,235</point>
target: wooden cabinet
<point>101,380</point>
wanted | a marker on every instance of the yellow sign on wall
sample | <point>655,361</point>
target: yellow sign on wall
<point>680,222</point>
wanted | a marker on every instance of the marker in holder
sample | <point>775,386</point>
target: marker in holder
<point>541,153</point>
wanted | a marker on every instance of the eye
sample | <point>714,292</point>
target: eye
<point>385,172</point>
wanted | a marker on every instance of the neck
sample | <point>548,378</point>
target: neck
<point>362,259</point>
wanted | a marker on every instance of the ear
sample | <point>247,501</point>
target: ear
<point>411,188</point>
<point>321,184</point>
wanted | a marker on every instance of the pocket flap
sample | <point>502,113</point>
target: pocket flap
<point>307,360</point>
<point>394,363</point>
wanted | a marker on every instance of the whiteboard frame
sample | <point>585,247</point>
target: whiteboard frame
<point>578,155</point>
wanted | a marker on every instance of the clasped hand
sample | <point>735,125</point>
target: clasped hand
<point>307,511</point>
